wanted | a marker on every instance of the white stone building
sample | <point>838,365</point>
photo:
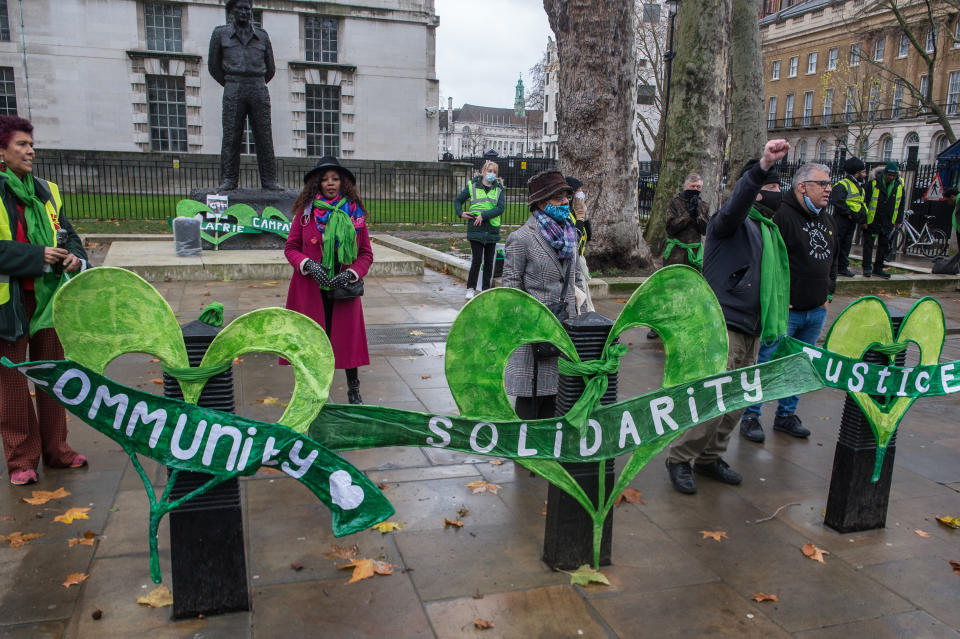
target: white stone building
<point>651,43</point>
<point>473,130</point>
<point>355,78</point>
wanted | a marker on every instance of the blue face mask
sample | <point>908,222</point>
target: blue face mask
<point>810,206</point>
<point>557,212</point>
<point>491,177</point>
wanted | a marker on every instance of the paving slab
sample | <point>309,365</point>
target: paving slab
<point>156,261</point>
<point>907,624</point>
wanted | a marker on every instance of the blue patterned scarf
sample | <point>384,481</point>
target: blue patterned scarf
<point>563,238</point>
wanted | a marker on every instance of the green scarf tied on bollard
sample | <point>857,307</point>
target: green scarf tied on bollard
<point>40,232</point>
<point>774,279</point>
<point>594,374</point>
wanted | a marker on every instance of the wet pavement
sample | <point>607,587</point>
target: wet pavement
<point>667,580</point>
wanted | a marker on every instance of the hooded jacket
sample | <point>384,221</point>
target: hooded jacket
<point>732,252</point>
<point>811,241</point>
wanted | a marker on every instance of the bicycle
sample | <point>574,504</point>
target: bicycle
<point>907,238</point>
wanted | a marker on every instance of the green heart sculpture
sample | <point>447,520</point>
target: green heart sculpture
<point>865,324</point>
<point>675,300</point>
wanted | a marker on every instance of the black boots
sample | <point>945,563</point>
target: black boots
<point>353,387</point>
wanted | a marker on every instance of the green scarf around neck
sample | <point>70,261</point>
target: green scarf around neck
<point>40,233</point>
<point>774,279</point>
<point>339,236</point>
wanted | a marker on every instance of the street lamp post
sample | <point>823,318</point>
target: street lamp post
<point>672,7</point>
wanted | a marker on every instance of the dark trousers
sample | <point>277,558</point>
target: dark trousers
<point>846,228</point>
<point>536,407</point>
<point>243,99</point>
<point>482,253</point>
<point>882,238</point>
<point>353,378</point>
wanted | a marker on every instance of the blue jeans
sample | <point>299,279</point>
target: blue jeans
<point>804,326</point>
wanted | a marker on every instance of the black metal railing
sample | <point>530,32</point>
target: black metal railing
<point>843,118</point>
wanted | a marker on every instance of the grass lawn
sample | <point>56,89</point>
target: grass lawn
<point>85,227</point>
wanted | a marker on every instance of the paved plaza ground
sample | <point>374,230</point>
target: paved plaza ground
<point>666,579</point>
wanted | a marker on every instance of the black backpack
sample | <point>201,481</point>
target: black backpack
<point>947,265</point>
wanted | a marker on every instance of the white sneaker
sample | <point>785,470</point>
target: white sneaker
<point>470,293</point>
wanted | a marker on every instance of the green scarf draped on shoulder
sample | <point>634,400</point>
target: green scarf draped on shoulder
<point>774,279</point>
<point>40,233</point>
<point>339,236</point>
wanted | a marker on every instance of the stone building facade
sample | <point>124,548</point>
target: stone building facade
<point>826,98</point>
<point>473,130</point>
<point>355,78</point>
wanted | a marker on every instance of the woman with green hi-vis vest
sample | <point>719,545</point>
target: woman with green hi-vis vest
<point>485,202</point>
<point>38,248</point>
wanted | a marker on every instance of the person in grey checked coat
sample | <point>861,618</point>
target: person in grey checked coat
<point>536,260</point>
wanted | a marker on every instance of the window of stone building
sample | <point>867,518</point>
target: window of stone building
<point>878,48</point>
<point>812,63</point>
<point>775,70</point>
<point>651,12</point>
<point>873,105</point>
<point>895,112</point>
<point>801,156</point>
<point>4,22</point>
<point>886,148</point>
<point>911,147</point>
<point>832,59</point>
<point>320,39</point>
<point>855,55</point>
<point>323,120</point>
<point>546,103</point>
<point>931,43</point>
<point>772,113</point>
<point>788,111</point>
<point>850,103</point>
<point>953,93</point>
<point>807,108</point>
<point>923,91</point>
<point>645,94</point>
<point>956,35</point>
<point>8,92</point>
<point>827,106</point>
<point>904,47</point>
<point>794,63</point>
<point>163,26</point>
<point>167,106</point>
<point>822,151</point>
<point>939,144</point>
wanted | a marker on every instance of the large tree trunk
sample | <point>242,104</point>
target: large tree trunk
<point>598,98</point>
<point>748,131</point>
<point>696,117</point>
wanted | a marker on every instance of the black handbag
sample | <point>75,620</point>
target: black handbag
<point>547,350</point>
<point>348,292</point>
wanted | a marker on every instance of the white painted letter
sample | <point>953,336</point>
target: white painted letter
<point>302,464</point>
<point>756,387</point>
<point>247,447</point>
<point>597,439</point>
<point>269,452</point>
<point>175,447</point>
<point>558,439</point>
<point>925,376</point>
<point>946,376</point>
<point>493,438</point>
<point>812,353</point>
<point>435,428</point>
<point>139,413</point>
<point>660,409</point>
<point>857,373</point>
<point>522,450</point>
<point>120,400</point>
<point>66,377</point>
<point>718,384</point>
<point>884,374</point>
<point>835,375</point>
<point>903,382</point>
<point>627,427</point>
<point>216,432</point>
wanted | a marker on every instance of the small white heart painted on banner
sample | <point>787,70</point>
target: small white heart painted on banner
<point>343,492</point>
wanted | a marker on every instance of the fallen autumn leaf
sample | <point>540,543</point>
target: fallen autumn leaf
<point>158,598</point>
<point>386,526</point>
<point>74,578</point>
<point>759,597</point>
<point>585,575</point>
<point>71,515</point>
<point>41,497</point>
<point>18,539</point>
<point>630,496</point>
<point>921,533</point>
<point>715,535</point>
<point>482,624</point>
<point>452,522</point>
<point>814,553</point>
<point>952,522</point>
<point>366,568</point>
<point>481,486</point>
<point>86,539</point>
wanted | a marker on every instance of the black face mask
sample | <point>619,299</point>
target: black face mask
<point>691,193</point>
<point>771,199</point>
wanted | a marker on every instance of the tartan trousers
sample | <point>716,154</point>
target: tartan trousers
<point>30,433</point>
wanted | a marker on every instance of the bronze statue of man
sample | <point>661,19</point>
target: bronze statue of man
<point>241,60</point>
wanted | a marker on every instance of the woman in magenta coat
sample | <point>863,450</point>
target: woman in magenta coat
<point>328,214</point>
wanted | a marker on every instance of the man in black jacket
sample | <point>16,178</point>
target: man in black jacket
<point>811,239</point>
<point>732,265</point>
<point>849,210</point>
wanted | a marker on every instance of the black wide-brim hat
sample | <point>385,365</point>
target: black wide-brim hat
<point>330,162</point>
<point>545,184</point>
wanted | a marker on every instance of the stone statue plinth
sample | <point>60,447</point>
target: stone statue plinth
<point>257,199</point>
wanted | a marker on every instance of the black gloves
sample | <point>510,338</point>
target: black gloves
<point>342,279</point>
<point>318,273</point>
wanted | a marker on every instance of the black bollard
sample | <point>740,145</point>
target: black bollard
<point>855,502</point>
<point>206,533</point>
<point>568,537</point>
